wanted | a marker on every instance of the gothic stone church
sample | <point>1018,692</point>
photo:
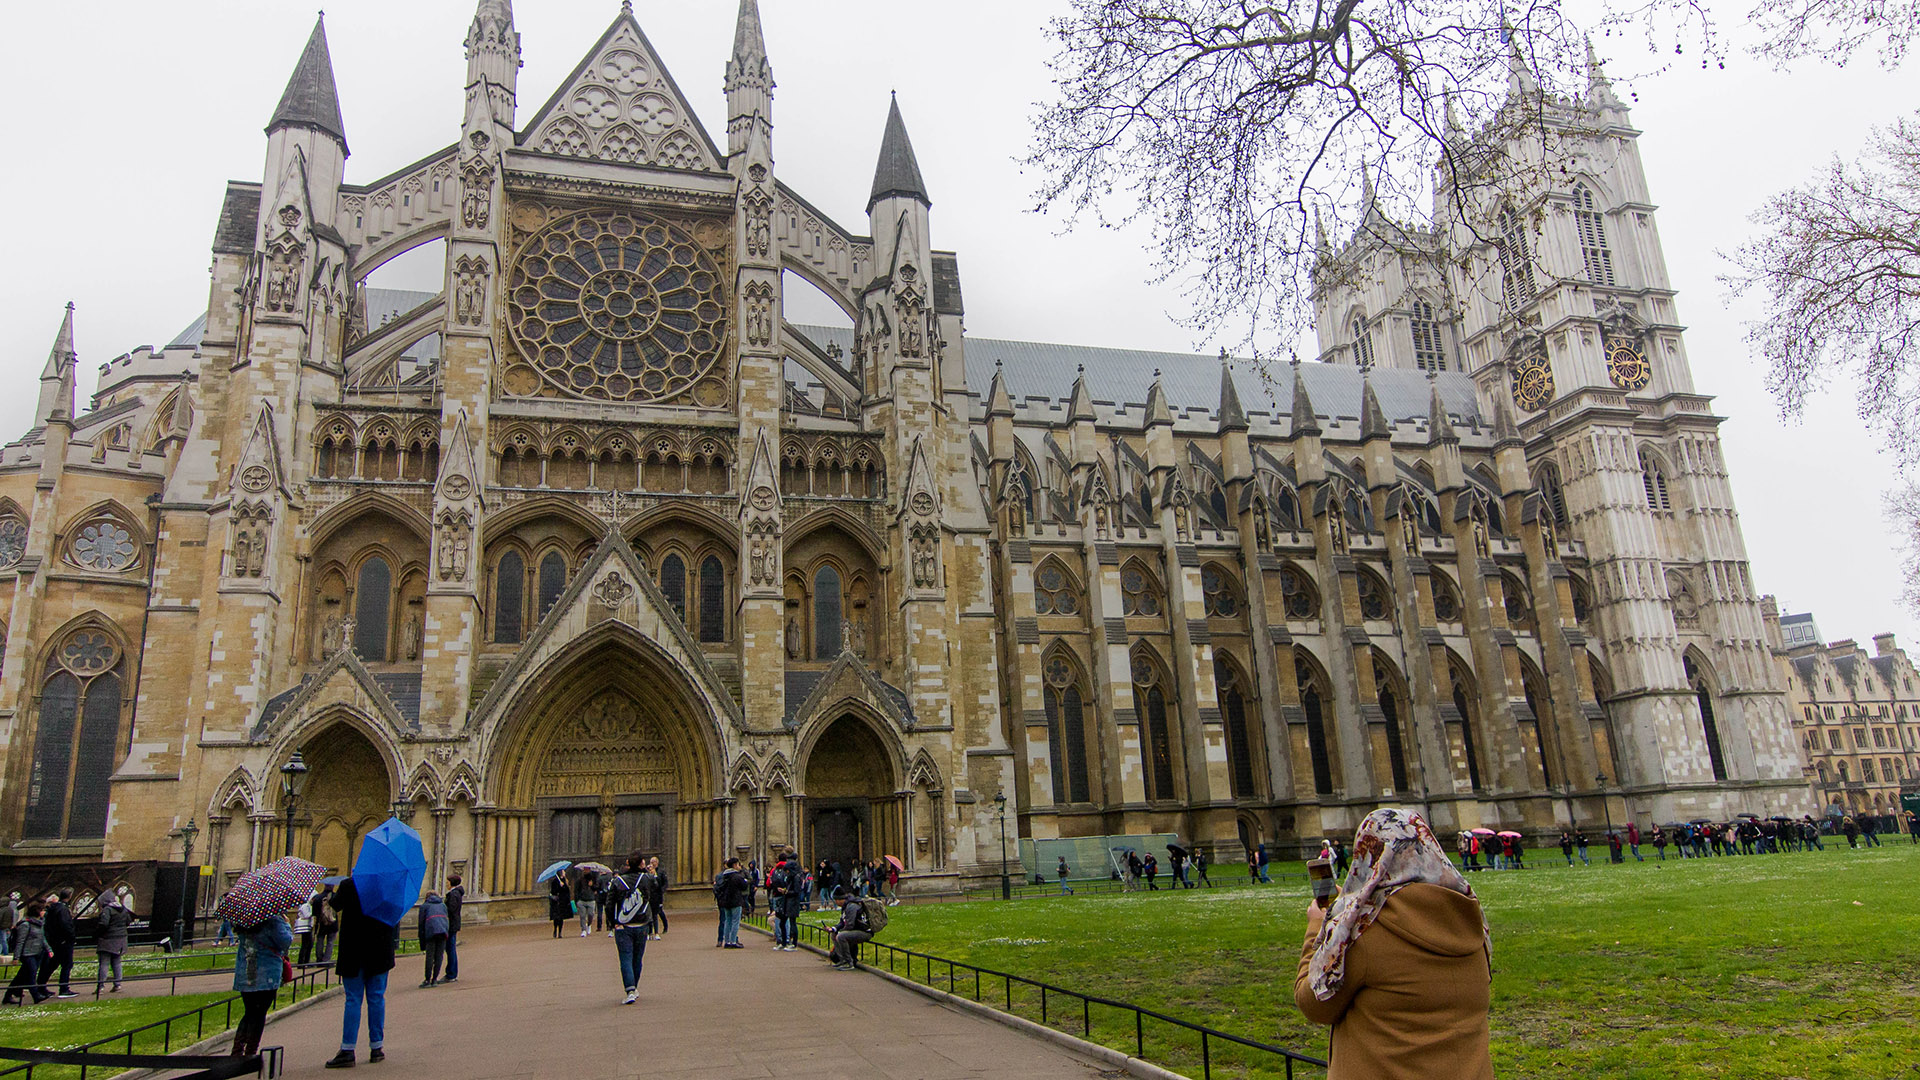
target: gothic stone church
<point>594,550</point>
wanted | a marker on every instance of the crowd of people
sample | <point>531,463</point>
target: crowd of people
<point>1747,834</point>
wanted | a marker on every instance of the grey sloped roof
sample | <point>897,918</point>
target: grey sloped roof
<point>1039,373</point>
<point>233,234</point>
<point>190,337</point>
<point>404,688</point>
<point>800,686</point>
<point>311,99</point>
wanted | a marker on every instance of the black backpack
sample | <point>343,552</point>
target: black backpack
<point>633,903</point>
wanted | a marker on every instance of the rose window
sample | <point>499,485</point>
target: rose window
<point>89,652</point>
<point>13,540</point>
<point>614,306</point>
<point>104,545</point>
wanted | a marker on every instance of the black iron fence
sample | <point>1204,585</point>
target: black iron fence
<point>1148,1034</point>
<point>107,1057</point>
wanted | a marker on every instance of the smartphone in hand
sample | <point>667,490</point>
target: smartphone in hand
<point>1320,876</point>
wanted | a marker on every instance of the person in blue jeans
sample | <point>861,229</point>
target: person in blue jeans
<point>456,896</point>
<point>364,958</point>
<point>785,893</point>
<point>630,913</point>
<point>730,893</point>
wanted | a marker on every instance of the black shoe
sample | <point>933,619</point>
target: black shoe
<point>377,1055</point>
<point>341,1060</point>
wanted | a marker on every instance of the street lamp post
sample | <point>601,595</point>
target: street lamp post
<point>1006,883</point>
<point>188,879</point>
<point>293,781</point>
<point>1605,808</point>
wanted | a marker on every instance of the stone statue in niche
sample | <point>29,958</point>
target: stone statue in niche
<point>926,559</point>
<point>1410,532</point>
<point>857,637</point>
<point>1262,529</point>
<point>283,278</point>
<point>1480,543</point>
<point>454,542</point>
<point>911,338</point>
<point>470,291</point>
<point>410,637</point>
<point>329,641</point>
<point>1337,530</point>
<point>759,224</point>
<point>793,637</point>
<point>1017,511</point>
<point>476,192</point>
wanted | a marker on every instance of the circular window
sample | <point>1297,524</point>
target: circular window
<point>13,540</point>
<point>615,306</point>
<point>89,652</point>
<point>104,545</point>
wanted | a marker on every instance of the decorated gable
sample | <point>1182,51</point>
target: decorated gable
<point>620,105</point>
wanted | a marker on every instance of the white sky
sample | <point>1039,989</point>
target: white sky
<point>129,118</point>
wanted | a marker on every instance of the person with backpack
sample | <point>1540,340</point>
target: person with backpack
<point>786,892</point>
<point>860,919</point>
<point>434,922</point>
<point>730,888</point>
<point>259,969</point>
<point>1153,871</point>
<point>30,951</point>
<point>326,927</point>
<point>630,913</point>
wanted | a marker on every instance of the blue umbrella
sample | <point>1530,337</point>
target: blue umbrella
<point>552,872</point>
<point>389,871</point>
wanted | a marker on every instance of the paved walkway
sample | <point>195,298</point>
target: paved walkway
<point>527,1006</point>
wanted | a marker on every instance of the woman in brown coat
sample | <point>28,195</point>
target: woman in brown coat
<point>1400,966</point>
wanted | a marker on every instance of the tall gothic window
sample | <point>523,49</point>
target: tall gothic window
<point>1150,702</point>
<point>1446,602</point>
<point>1374,605</point>
<point>713,600</point>
<point>1313,706</point>
<point>1066,732</point>
<point>673,584</point>
<point>1703,693</point>
<point>826,613</point>
<point>75,741</point>
<point>1233,711</point>
<point>1516,262</point>
<point>1220,592</point>
<point>1462,703</point>
<point>553,580</point>
<point>1429,350</point>
<point>1592,226</point>
<point>1390,710</point>
<point>1138,594</point>
<point>1553,495</point>
<point>509,598</point>
<point>1655,482</point>
<point>1362,343</point>
<point>1053,592</point>
<point>372,604</point>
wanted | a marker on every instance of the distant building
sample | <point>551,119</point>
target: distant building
<point>1857,716</point>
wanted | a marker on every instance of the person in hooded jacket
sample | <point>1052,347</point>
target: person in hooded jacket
<point>1400,967</point>
<point>110,940</point>
<point>29,947</point>
<point>433,929</point>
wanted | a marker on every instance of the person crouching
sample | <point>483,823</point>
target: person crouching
<point>852,929</point>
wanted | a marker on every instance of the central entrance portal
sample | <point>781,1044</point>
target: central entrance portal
<point>611,757</point>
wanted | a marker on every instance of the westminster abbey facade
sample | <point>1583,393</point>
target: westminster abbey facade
<point>594,550</point>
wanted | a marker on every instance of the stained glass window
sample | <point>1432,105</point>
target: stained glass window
<point>76,740</point>
<point>1137,593</point>
<point>104,545</point>
<point>826,613</point>
<point>1053,592</point>
<point>509,598</point>
<point>713,600</point>
<point>13,539</point>
<point>1295,594</point>
<point>1233,711</point>
<point>673,584</point>
<point>553,580</point>
<point>372,601</point>
<point>1221,593</point>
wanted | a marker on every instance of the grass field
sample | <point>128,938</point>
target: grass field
<point>1795,965</point>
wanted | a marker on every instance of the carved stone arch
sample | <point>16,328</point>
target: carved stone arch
<point>236,790</point>
<point>507,519</point>
<point>422,783</point>
<point>697,516</point>
<point>824,718</point>
<point>345,513</point>
<point>744,776</point>
<point>399,244</point>
<point>924,773</point>
<point>93,619</point>
<point>463,784</point>
<point>778,774</point>
<point>304,729</point>
<point>835,291</point>
<point>855,528</point>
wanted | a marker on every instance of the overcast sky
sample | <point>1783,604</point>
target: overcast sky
<point>130,117</point>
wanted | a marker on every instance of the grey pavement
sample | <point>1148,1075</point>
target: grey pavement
<point>528,1006</point>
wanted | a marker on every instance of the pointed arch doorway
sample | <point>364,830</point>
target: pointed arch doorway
<point>610,753</point>
<point>854,808</point>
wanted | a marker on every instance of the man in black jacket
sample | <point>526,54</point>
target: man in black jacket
<point>456,895</point>
<point>60,938</point>
<point>730,893</point>
<point>631,921</point>
<point>852,929</point>
<point>364,958</point>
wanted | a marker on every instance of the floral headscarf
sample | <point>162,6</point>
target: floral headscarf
<point>1391,848</point>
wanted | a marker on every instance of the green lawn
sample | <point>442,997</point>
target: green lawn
<point>1794,965</point>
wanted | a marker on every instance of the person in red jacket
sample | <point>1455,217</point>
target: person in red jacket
<point>1633,841</point>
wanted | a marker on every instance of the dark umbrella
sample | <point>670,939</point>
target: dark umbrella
<point>1749,817</point>
<point>1176,849</point>
<point>1673,825</point>
<point>1777,817</point>
<point>1702,821</point>
<point>388,874</point>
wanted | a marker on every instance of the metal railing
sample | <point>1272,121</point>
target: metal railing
<point>314,979</point>
<point>184,963</point>
<point>1018,991</point>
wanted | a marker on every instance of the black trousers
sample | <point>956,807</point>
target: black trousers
<point>253,1021</point>
<point>62,966</point>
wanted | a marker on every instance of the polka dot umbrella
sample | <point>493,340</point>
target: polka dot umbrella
<point>273,889</point>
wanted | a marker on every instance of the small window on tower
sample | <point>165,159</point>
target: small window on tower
<point>1516,262</point>
<point>1362,344</point>
<point>1428,352</point>
<point>1592,225</point>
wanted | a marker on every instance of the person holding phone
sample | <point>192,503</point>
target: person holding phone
<point>1400,965</point>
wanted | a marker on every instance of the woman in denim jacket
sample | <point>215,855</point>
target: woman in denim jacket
<point>257,970</point>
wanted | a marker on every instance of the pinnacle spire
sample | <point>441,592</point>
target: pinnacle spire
<point>1080,406</point>
<point>1439,424</point>
<point>898,172</point>
<point>1373,420</point>
<point>999,402</point>
<point>1319,234</point>
<point>749,44</point>
<point>1599,87</point>
<point>1231,416</point>
<point>1157,412</point>
<point>56,382</point>
<point>311,98</point>
<point>1520,80</point>
<point>1504,431</point>
<point>1305,420</point>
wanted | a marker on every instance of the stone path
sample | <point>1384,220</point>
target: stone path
<point>527,1006</point>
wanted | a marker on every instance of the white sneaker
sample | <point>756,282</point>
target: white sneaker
<point>632,996</point>
<point>584,933</point>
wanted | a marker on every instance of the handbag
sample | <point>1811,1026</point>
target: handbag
<point>286,970</point>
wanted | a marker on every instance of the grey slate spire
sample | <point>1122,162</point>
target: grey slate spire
<point>898,173</point>
<point>999,402</point>
<point>1232,417</point>
<point>1439,424</point>
<point>1504,431</point>
<point>1373,421</point>
<point>1080,406</point>
<point>749,43</point>
<point>1305,420</point>
<point>56,382</point>
<point>311,98</point>
<point>1157,412</point>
